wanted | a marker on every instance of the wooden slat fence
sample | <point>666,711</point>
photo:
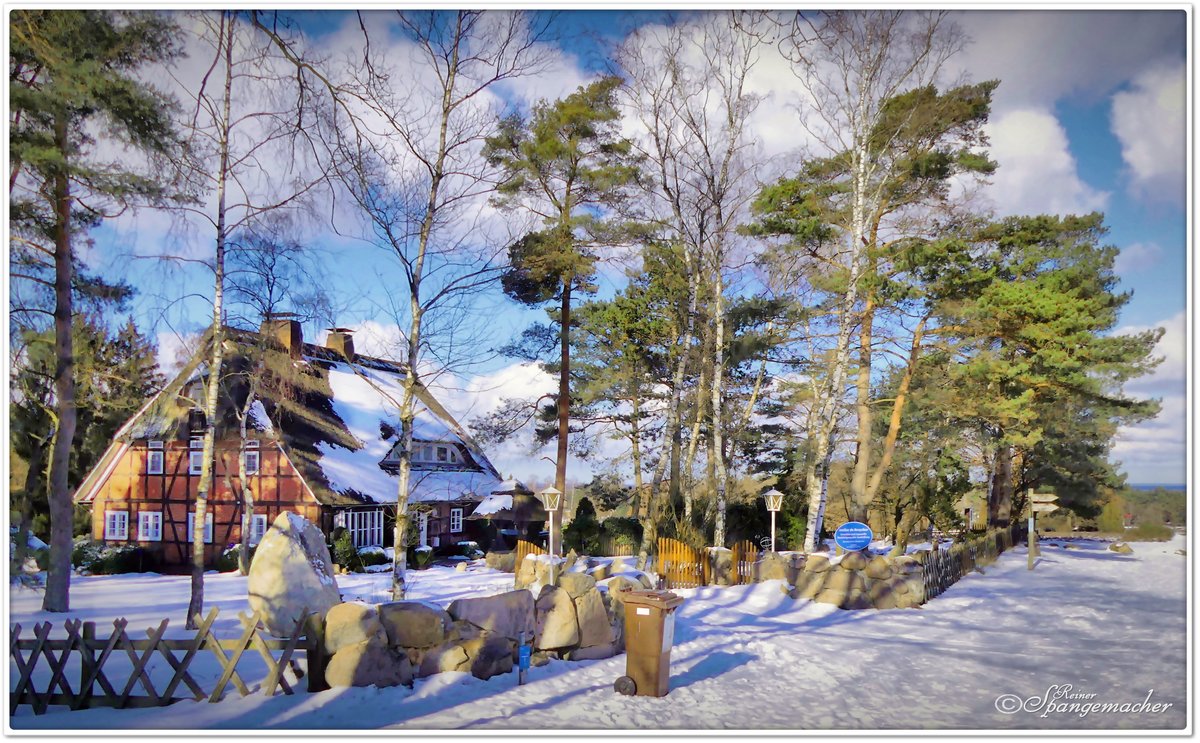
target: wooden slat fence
<point>745,554</point>
<point>945,567</point>
<point>83,649</point>
<point>526,548</point>
<point>611,546</point>
<point>681,566</point>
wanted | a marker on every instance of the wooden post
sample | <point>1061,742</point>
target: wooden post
<point>1031,541</point>
<point>87,660</point>
<point>315,653</point>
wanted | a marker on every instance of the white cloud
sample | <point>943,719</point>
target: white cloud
<point>1037,173</point>
<point>1155,451</point>
<point>1040,56</point>
<point>1150,122</point>
<point>1137,257</point>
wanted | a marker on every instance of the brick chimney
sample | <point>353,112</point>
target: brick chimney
<point>285,331</point>
<point>342,341</point>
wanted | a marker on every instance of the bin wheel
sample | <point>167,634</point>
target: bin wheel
<point>626,686</point>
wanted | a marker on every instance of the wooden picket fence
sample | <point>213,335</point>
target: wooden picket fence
<point>526,548</point>
<point>745,554</point>
<point>945,567</point>
<point>611,546</point>
<point>92,653</point>
<point>681,566</point>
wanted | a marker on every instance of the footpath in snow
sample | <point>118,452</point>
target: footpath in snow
<point>986,654</point>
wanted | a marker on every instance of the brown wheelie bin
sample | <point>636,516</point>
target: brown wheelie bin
<point>649,632</point>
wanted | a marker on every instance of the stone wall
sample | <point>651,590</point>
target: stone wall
<point>393,643</point>
<point>860,581</point>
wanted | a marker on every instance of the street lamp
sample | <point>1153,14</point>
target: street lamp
<point>550,497</point>
<point>774,500</point>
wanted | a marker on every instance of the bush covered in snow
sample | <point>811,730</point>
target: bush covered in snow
<point>470,550</point>
<point>96,558</point>
<point>228,561</point>
<point>421,557</point>
<point>371,556</point>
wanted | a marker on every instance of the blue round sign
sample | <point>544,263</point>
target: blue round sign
<point>853,536</point>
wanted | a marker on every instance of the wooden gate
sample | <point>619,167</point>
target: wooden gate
<point>526,548</point>
<point>745,554</point>
<point>82,649</point>
<point>681,566</point>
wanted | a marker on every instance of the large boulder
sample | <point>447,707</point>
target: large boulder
<point>490,655</point>
<point>412,624</point>
<point>526,572</point>
<point>508,614</point>
<point>816,564</point>
<point>1121,547</point>
<point>770,566</point>
<point>594,626</point>
<point>576,584</point>
<point>808,585</point>
<point>449,656</point>
<point>879,568</point>
<point>502,561</point>
<point>368,664</point>
<point>350,624</point>
<point>721,561</point>
<point>556,624</point>
<point>854,561</point>
<point>291,573</point>
<point>845,589</point>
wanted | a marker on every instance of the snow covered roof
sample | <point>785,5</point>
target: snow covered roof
<point>335,419</point>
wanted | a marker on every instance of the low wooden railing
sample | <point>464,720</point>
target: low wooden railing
<point>92,653</point>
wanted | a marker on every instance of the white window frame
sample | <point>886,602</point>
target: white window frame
<point>456,517</point>
<point>116,525</point>
<point>443,454</point>
<point>195,462</point>
<point>196,442</point>
<point>149,526</point>
<point>258,528</point>
<point>208,526</point>
<point>154,444</point>
<point>154,461</point>
<point>254,456</point>
<point>365,527</point>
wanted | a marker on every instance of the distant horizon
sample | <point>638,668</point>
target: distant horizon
<point>1154,485</point>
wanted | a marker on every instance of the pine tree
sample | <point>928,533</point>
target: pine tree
<point>68,71</point>
<point>565,165</point>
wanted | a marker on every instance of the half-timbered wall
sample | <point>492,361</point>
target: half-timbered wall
<point>130,487</point>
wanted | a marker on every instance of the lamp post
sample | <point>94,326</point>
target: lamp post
<point>550,497</point>
<point>774,500</point>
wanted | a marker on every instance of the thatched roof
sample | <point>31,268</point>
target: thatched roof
<point>336,420</point>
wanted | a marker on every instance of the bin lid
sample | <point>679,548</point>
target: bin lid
<point>660,599</point>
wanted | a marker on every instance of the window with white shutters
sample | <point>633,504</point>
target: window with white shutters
<point>456,516</point>
<point>208,526</point>
<point>195,462</point>
<point>116,524</point>
<point>150,526</point>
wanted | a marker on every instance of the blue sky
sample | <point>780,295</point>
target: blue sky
<point>1089,115</point>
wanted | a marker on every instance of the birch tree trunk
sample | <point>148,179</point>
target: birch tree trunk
<point>217,353</point>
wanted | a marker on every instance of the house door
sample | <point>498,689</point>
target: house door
<point>423,525</point>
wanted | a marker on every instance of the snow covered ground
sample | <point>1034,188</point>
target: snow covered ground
<point>748,658</point>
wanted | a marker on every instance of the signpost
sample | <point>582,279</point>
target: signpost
<point>1038,503</point>
<point>853,536</point>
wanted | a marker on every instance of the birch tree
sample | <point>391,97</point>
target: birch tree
<point>253,133</point>
<point>687,90</point>
<point>850,65</point>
